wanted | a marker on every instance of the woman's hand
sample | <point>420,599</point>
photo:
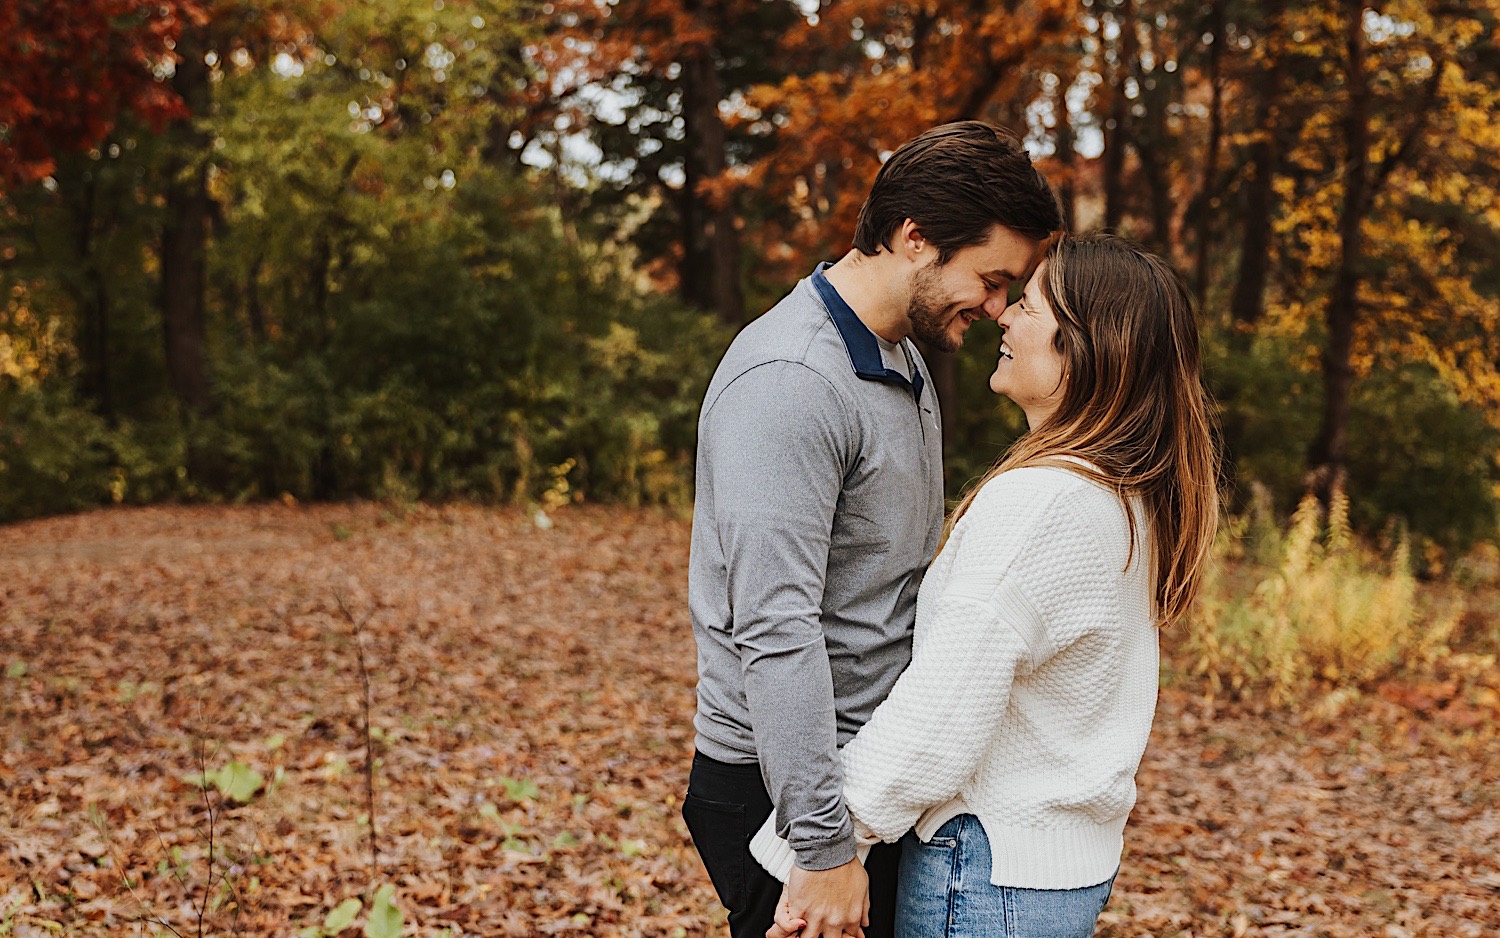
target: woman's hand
<point>787,925</point>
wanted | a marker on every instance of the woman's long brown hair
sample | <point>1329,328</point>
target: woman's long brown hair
<point>1134,410</point>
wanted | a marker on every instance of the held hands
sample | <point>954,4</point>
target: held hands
<point>824,903</point>
<point>787,925</point>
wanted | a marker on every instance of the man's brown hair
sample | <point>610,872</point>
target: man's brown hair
<point>957,182</point>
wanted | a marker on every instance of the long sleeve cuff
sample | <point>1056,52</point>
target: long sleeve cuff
<point>826,855</point>
<point>778,858</point>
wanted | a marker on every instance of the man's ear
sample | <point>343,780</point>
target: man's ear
<point>910,244</point>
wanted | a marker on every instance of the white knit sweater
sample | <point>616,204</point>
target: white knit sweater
<point>1030,693</point>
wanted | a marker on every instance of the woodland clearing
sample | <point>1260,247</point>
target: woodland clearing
<point>530,692</point>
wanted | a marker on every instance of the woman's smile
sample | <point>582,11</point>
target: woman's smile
<point>1035,379</point>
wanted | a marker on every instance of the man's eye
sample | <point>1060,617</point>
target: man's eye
<point>1013,293</point>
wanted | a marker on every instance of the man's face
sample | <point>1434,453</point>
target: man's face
<point>946,299</point>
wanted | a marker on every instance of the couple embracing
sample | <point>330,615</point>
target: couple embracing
<point>914,727</point>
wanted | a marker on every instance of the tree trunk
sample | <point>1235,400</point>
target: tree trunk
<point>255,313</point>
<point>92,294</point>
<point>1066,152</point>
<point>1204,223</point>
<point>1154,146</point>
<point>1248,301</point>
<point>1328,455</point>
<point>711,245</point>
<point>187,213</point>
<point>1149,145</point>
<point>1117,132</point>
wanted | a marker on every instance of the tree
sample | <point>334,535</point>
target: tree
<point>1259,201</point>
<point>67,77</point>
<point>67,82</point>
<point>1403,136</point>
<point>648,81</point>
<point>1122,78</point>
<point>185,226</point>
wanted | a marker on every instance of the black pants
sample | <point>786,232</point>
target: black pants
<point>725,805</point>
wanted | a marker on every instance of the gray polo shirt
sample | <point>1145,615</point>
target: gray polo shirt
<point>819,506</point>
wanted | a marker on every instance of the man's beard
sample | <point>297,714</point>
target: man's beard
<point>930,317</point>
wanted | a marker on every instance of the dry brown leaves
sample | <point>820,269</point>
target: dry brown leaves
<point>532,699</point>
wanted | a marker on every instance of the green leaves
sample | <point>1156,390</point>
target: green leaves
<point>520,789</point>
<point>342,916</point>
<point>234,780</point>
<point>385,919</point>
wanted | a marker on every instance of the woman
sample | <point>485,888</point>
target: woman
<point>1006,753</point>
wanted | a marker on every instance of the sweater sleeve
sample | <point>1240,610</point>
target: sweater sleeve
<point>926,740</point>
<point>777,441</point>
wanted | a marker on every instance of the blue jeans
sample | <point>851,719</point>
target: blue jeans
<point>945,892</point>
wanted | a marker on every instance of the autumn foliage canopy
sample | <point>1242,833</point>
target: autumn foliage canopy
<point>68,71</point>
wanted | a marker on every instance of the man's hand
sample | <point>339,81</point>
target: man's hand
<point>830,903</point>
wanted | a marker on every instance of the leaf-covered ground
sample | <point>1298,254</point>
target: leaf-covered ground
<point>531,699</point>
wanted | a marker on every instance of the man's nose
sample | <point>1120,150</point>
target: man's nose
<point>994,306</point>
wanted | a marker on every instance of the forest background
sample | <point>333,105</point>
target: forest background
<point>492,249</point>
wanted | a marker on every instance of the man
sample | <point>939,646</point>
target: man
<point>819,505</point>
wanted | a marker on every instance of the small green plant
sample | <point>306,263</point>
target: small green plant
<point>234,780</point>
<point>7,916</point>
<point>520,789</point>
<point>385,919</point>
<point>340,918</point>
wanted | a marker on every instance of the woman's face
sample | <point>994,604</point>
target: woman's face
<point>1030,370</point>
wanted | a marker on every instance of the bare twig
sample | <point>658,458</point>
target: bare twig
<point>357,625</point>
<point>202,909</point>
<point>176,870</point>
<point>114,855</point>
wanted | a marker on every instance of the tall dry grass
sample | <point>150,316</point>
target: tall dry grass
<point>1287,612</point>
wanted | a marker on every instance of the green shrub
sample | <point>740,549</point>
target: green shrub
<point>55,456</point>
<point>1416,452</point>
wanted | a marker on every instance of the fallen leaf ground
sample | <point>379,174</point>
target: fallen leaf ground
<point>531,694</point>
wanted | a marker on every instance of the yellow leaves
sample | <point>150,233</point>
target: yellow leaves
<point>31,345</point>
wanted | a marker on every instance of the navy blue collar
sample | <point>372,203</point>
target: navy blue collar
<point>864,348</point>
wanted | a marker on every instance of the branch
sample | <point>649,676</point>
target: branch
<point>1411,138</point>
<point>114,854</point>
<point>364,681</point>
<point>208,886</point>
<point>995,71</point>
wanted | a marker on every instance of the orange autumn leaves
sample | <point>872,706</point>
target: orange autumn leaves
<point>532,697</point>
